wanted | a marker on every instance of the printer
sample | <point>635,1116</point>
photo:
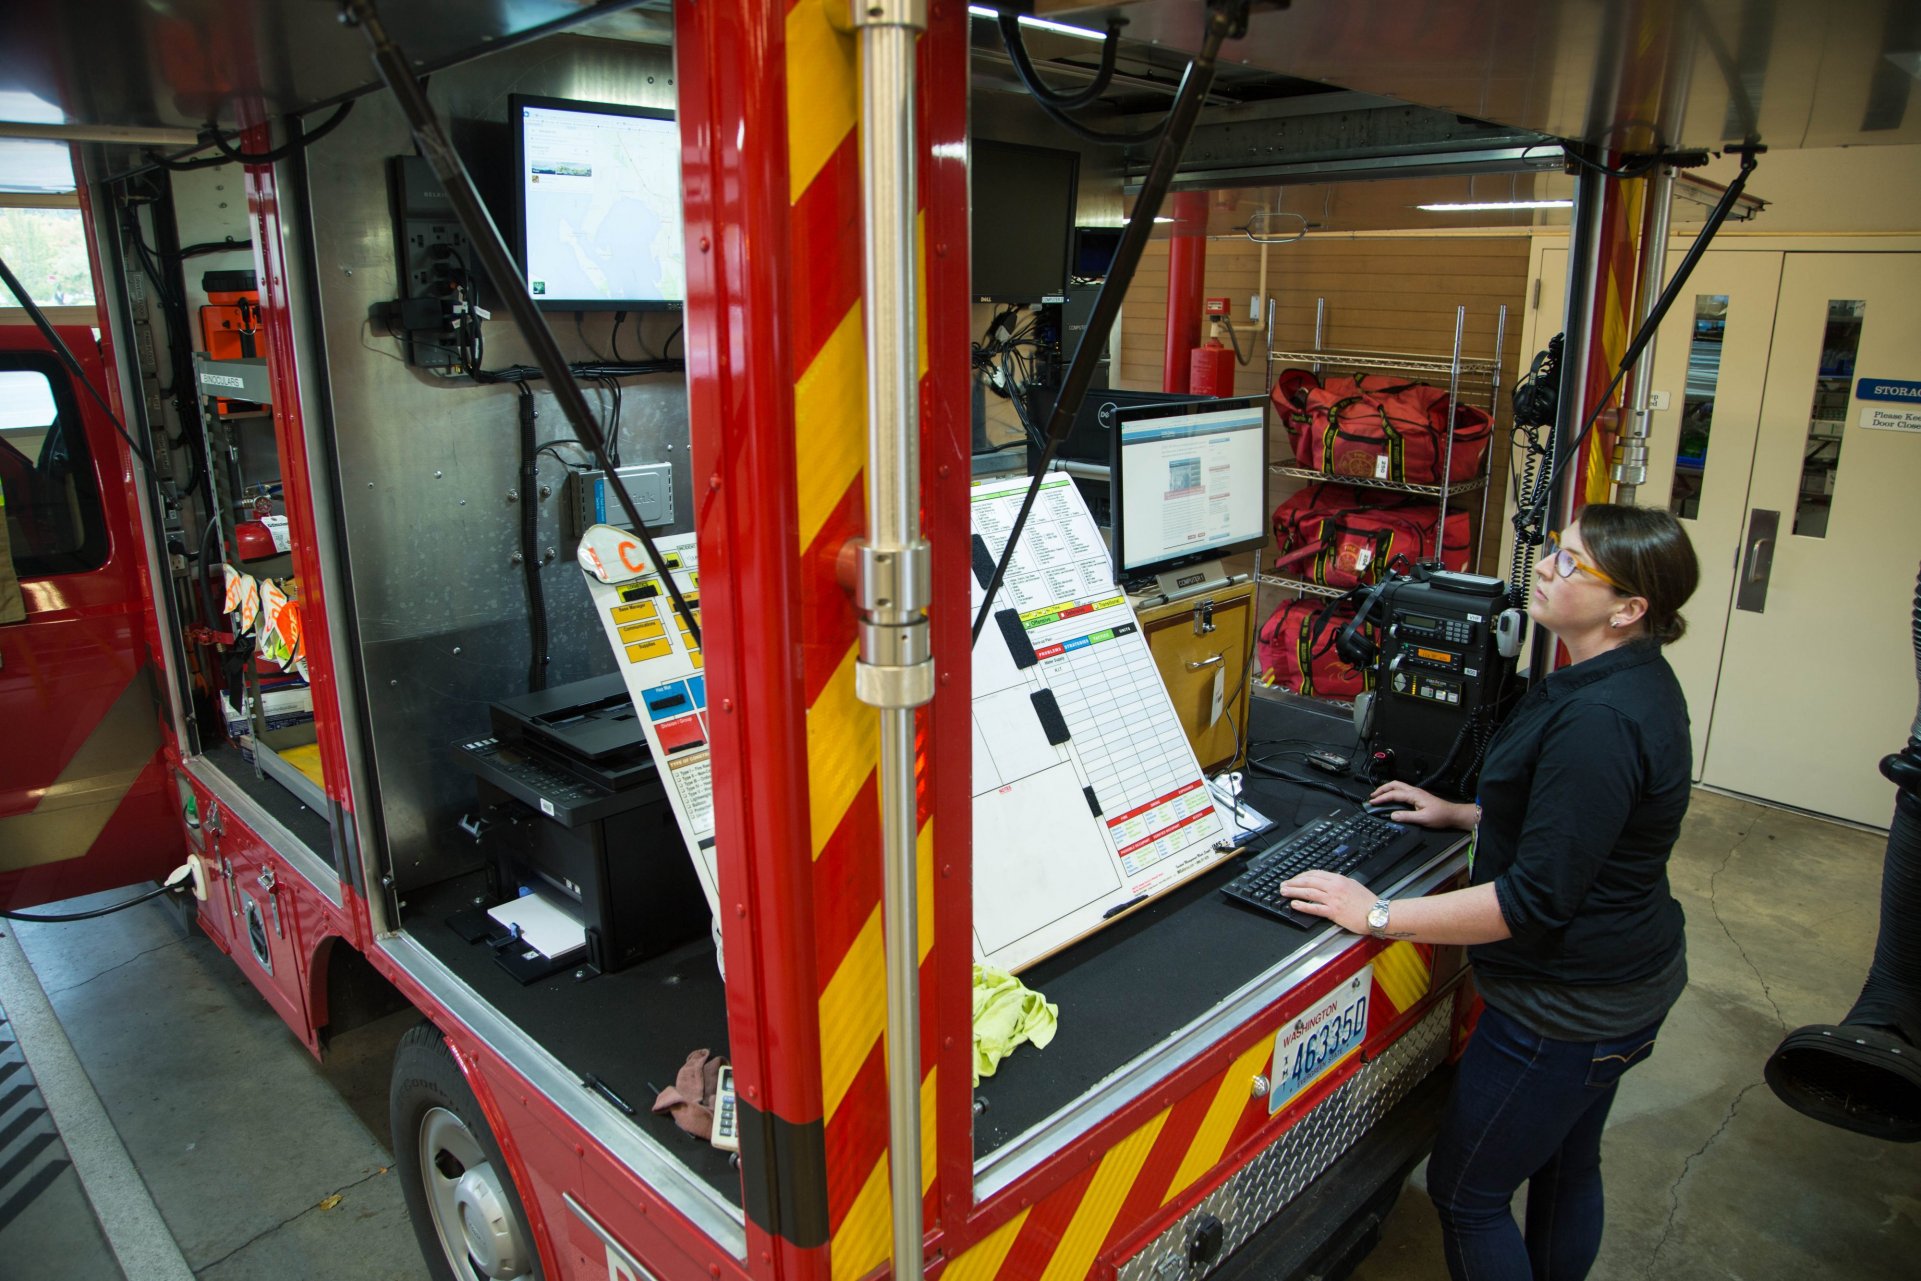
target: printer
<point>573,810</point>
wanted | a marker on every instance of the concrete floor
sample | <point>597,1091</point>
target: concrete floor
<point>241,1141</point>
<point>1708,1174</point>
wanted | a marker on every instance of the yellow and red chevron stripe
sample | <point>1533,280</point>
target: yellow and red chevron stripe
<point>1154,1172</point>
<point>842,738</point>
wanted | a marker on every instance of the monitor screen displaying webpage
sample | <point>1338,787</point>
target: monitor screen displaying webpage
<point>598,194</point>
<point>1189,482</point>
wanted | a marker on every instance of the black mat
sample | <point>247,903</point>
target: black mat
<point>631,1029</point>
<point>314,830</point>
<point>1129,987</point>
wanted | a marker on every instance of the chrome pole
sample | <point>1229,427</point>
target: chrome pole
<point>1630,463</point>
<point>895,670</point>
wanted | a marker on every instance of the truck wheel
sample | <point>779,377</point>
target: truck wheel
<point>465,1211</point>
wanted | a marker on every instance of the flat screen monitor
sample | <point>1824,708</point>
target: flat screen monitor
<point>1189,483</point>
<point>597,204</point>
<point>1090,438</point>
<point>1094,250</point>
<point>1023,204</point>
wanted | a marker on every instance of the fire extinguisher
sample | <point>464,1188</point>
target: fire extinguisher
<point>1210,367</point>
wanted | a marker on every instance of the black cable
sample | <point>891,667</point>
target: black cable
<point>1049,101</point>
<point>670,339</point>
<point>613,338</point>
<point>41,918</point>
<point>529,543</point>
<point>1017,49</point>
<point>215,247</point>
<point>229,154</point>
<point>1259,766</point>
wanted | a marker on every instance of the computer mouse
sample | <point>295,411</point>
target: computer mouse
<point>1387,810</point>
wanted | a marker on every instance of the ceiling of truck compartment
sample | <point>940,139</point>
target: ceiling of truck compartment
<point>1795,73</point>
<point>187,62</point>
<point>1799,73</point>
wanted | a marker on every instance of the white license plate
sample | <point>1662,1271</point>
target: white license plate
<point>1319,1039</point>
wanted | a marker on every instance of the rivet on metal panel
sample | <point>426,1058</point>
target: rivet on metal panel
<point>513,495</point>
<point>438,475</point>
<point>515,559</point>
<point>1260,1087</point>
<point>456,649</point>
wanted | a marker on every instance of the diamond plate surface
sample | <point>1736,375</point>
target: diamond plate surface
<point>1268,1182</point>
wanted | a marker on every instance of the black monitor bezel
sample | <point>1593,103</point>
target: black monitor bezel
<point>517,126</point>
<point>1117,507</point>
<point>1030,297</point>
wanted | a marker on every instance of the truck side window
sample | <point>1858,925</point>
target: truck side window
<point>54,521</point>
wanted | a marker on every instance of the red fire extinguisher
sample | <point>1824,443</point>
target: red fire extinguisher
<point>1210,367</point>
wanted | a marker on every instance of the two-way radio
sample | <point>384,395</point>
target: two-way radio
<point>1442,675</point>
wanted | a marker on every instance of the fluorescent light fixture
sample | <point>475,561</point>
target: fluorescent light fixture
<point>1478,206</point>
<point>1042,24</point>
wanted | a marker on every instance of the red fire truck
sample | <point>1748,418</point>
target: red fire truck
<point>293,298</point>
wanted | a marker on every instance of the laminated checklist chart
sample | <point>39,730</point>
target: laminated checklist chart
<point>1088,799</point>
<point>664,673</point>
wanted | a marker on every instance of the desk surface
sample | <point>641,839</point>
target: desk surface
<point>1142,980</point>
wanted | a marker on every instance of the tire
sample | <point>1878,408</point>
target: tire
<point>466,1213</point>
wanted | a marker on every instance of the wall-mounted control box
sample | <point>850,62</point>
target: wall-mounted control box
<point>591,500</point>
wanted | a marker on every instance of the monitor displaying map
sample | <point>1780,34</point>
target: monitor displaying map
<point>598,195</point>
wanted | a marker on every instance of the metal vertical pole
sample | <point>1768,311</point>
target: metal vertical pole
<point>1630,469</point>
<point>1583,272</point>
<point>895,671</point>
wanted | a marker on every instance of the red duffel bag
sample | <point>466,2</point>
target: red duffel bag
<point>1291,658</point>
<point>1335,536</point>
<point>1381,427</point>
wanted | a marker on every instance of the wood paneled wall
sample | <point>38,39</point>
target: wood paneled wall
<point>1383,293</point>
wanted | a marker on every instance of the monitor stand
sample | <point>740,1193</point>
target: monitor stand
<point>1189,580</point>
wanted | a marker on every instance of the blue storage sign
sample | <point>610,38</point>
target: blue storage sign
<point>1889,404</point>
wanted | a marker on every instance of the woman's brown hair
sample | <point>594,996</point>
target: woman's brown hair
<point>1646,551</point>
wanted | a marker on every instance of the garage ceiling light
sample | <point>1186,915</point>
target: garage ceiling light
<point>1478,206</point>
<point>1042,24</point>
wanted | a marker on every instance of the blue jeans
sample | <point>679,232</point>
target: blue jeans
<point>1526,1109</point>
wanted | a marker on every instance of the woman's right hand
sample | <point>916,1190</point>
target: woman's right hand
<point>1420,808</point>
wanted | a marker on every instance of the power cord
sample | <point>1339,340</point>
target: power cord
<point>180,878</point>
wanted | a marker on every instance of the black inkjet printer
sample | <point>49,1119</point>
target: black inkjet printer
<point>571,801</point>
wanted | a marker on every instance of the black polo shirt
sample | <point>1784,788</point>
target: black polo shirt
<point>1582,795</point>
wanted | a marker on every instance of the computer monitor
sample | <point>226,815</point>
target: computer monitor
<point>597,205</point>
<point>1090,438</point>
<point>1094,250</point>
<point>1023,208</point>
<point>1189,483</point>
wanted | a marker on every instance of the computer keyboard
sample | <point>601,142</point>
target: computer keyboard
<point>1353,844</point>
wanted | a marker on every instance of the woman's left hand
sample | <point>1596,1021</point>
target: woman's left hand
<point>1341,899</point>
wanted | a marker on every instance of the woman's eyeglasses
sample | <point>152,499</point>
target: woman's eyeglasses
<point>1566,562</point>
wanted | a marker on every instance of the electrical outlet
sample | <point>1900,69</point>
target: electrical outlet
<point>434,264</point>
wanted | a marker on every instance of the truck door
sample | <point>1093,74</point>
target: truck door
<point>84,793</point>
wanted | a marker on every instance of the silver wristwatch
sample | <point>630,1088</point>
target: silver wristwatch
<point>1377,918</point>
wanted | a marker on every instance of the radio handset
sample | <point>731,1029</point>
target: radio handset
<point>1510,631</point>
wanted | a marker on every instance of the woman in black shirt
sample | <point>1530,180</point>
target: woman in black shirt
<point>1575,939</point>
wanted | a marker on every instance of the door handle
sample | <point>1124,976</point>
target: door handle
<point>1205,663</point>
<point>1757,561</point>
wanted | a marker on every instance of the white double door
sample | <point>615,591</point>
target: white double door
<point>1803,499</point>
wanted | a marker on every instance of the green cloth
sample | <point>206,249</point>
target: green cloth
<point>1007,1013</point>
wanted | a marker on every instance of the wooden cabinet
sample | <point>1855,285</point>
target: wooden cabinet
<point>1204,648</point>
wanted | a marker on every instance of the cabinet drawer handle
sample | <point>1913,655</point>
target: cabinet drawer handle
<point>1206,662</point>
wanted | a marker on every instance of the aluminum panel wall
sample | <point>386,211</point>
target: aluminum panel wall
<point>427,465</point>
